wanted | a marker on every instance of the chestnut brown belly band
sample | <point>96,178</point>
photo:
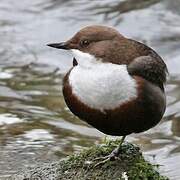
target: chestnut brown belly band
<point>135,116</point>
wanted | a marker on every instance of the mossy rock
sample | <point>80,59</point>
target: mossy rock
<point>130,165</point>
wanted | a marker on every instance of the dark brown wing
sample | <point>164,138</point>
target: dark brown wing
<point>149,65</point>
<point>149,68</point>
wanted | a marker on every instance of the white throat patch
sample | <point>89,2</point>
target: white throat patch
<point>84,59</point>
<point>103,86</point>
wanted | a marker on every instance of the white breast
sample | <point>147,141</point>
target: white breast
<point>103,86</point>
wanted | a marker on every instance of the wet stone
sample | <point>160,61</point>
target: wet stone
<point>129,165</point>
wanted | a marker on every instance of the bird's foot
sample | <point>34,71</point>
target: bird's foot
<point>111,157</point>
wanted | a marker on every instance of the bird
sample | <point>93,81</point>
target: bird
<point>116,84</point>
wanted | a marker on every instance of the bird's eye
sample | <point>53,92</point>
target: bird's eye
<point>84,43</point>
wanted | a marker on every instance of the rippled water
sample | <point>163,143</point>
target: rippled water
<point>35,125</point>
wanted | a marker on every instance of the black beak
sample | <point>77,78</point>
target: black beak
<point>62,45</point>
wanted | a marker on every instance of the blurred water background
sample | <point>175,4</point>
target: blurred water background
<point>35,124</point>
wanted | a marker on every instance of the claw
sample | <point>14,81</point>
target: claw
<point>101,158</point>
<point>105,159</point>
<point>102,162</point>
<point>110,157</point>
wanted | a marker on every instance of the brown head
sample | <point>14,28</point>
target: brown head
<point>102,42</point>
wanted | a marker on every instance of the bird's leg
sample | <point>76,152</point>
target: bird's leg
<point>111,157</point>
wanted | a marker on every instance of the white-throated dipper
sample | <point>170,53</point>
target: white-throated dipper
<point>116,84</point>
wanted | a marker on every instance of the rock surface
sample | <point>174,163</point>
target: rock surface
<point>130,165</point>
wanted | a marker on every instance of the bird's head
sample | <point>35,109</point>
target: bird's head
<point>92,43</point>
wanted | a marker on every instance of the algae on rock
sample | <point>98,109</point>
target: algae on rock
<point>130,165</point>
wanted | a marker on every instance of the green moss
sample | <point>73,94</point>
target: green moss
<point>130,163</point>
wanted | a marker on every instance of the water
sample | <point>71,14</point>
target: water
<point>35,124</point>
